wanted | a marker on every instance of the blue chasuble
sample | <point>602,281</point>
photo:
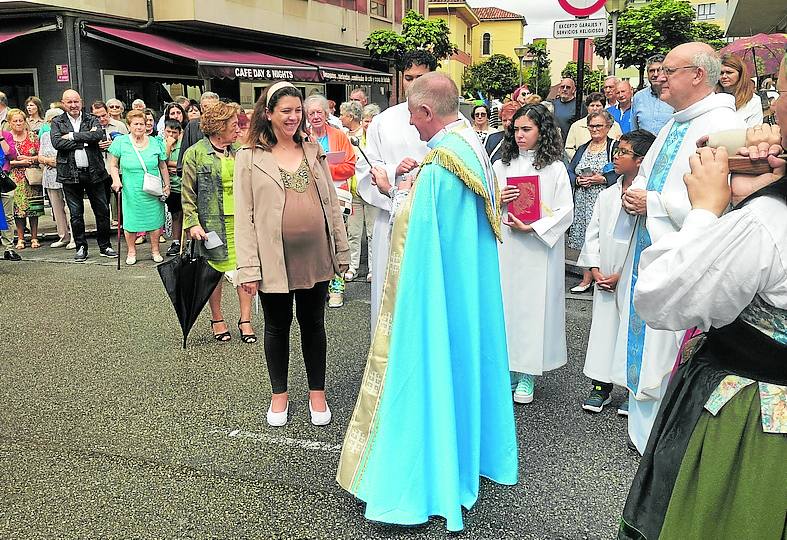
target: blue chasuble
<point>435,412</point>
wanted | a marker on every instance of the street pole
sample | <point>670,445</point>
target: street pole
<point>520,51</point>
<point>580,76</point>
<point>614,41</point>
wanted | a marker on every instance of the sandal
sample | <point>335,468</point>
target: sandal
<point>34,244</point>
<point>246,338</point>
<point>20,245</point>
<point>222,337</point>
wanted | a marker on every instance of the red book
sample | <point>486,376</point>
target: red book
<point>526,207</point>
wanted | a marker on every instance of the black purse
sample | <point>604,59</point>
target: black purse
<point>7,183</point>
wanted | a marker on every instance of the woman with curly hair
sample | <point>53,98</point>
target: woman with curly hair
<point>532,255</point>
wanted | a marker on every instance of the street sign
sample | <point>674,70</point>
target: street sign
<point>580,28</point>
<point>581,8</point>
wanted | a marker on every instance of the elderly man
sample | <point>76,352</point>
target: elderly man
<point>565,107</point>
<point>434,412</point>
<point>192,134</point>
<point>359,95</point>
<point>611,90</point>
<point>648,111</point>
<point>391,143</point>
<point>659,199</point>
<point>621,111</point>
<point>80,168</point>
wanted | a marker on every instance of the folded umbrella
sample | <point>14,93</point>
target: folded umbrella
<point>189,281</point>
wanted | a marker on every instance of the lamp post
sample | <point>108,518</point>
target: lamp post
<point>614,7</point>
<point>520,51</point>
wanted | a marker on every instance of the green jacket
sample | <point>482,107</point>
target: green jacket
<point>202,195</point>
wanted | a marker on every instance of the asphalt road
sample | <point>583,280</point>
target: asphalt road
<point>109,430</point>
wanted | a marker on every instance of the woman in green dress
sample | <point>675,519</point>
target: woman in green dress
<point>209,206</point>
<point>131,156</point>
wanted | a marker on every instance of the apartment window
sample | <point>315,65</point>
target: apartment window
<point>706,12</point>
<point>486,44</point>
<point>378,7</point>
<point>410,5</point>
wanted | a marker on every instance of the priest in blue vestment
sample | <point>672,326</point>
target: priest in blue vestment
<point>434,412</point>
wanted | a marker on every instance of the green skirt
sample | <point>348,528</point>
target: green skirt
<point>230,263</point>
<point>732,481</point>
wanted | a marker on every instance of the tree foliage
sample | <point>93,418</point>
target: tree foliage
<point>654,28</point>
<point>417,33</point>
<point>592,78</point>
<point>709,33</point>
<point>537,77</point>
<point>495,76</point>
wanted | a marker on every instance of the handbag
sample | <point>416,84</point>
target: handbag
<point>7,183</point>
<point>151,184</point>
<point>34,175</point>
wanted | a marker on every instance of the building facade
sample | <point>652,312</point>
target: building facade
<point>157,49</point>
<point>498,33</point>
<point>461,21</point>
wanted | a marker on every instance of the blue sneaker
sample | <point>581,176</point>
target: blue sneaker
<point>524,389</point>
<point>623,408</point>
<point>597,399</point>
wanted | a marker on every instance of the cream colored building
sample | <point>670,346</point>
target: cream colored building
<point>499,32</point>
<point>144,48</point>
<point>462,22</point>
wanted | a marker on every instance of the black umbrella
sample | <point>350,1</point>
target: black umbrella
<point>189,281</point>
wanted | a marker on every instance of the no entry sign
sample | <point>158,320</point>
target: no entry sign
<point>581,8</point>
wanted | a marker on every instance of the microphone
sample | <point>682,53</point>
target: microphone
<point>357,143</point>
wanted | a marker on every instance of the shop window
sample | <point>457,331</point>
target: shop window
<point>18,85</point>
<point>706,12</point>
<point>486,44</point>
<point>378,8</point>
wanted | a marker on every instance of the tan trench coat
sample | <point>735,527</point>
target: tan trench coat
<point>259,205</point>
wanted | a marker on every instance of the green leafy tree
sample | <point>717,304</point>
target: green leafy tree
<point>495,76</point>
<point>537,77</point>
<point>709,33</point>
<point>655,27</point>
<point>417,33</point>
<point>592,78</point>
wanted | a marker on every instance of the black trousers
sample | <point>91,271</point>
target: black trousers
<point>310,312</point>
<point>97,195</point>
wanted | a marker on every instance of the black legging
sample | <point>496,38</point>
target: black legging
<point>310,312</point>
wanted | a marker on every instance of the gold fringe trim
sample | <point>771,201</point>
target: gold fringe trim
<point>451,162</point>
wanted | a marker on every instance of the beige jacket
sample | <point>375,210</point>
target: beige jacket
<point>259,205</point>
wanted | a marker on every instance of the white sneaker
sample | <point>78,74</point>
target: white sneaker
<point>278,419</point>
<point>369,277</point>
<point>320,418</point>
<point>335,300</point>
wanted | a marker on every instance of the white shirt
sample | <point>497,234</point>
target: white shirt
<point>80,156</point>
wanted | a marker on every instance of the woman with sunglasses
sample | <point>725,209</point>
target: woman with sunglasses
<point>481,122</point>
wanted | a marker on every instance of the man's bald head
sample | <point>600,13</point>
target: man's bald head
<point>72,102</point>
<point>438,92</point>
<point>689,74</point>
<point>433,102</point>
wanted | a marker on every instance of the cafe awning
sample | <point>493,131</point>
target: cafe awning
<point>211,61</point>
<point>342,72</point>
<point>9,33</point>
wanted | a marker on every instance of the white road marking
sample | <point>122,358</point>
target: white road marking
<point>305,444</point>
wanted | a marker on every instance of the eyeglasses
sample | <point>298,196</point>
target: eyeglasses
<point>670,71</point>
<point>565,87</point>
<point>479,114</point>
<point>623,152</point>
<point>597,126</point>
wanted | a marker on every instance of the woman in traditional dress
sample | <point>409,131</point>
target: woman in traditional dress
<point>291,241</point>
<point>532,255</point>
<point>28,200</point>
<point>590,171</point>
<point>716,462</point>
<point>207,197</point>
<point>734,79</point>
<point>132,156</point>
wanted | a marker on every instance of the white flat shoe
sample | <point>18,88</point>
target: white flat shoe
<point>320,418</point>
<point>277,419</point>
<point>58,244</point>
<point>581,288</point>
<point>157,258</point>
<point>131,260</point>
